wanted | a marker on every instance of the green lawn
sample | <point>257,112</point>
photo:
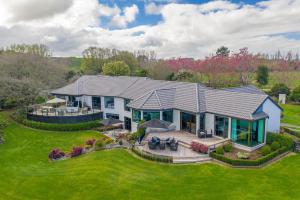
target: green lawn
<point>26,173</point>
<point>291,114</point>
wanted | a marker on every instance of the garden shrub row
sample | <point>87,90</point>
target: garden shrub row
<point>60,127</point>
<point>295,133</point>
<point>148,156</point>
<point>20,117</point>
<point>284,140</point>
<point>240,162</point>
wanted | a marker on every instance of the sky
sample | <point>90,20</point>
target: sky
<point>171,28</point>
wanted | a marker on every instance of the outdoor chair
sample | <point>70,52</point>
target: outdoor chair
<point>162,145</point>
<point>174,146</point>
<point>201,134</point>
<point>169,141</point>
<point>153,143</point>
<point>209,134</point>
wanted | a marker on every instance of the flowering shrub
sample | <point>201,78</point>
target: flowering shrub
<point>56,154</point>
<point>201,148</point>
<point>90,142</point>
<point>76,151</point>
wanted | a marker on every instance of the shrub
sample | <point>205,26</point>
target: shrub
<point>107,140</point>
<point>265,150</point>
<point>284,140</point>
<point>90,142</point>
<point>228,147</point>
<point>158,158</point>
<point>76,151</point>
<point>100,143</point>
<point>243,155</point>
<point>275,145</point>
<point>201,148</point>
<point>121,142</point>
<point>56,127</point>
<point>56,154</point>
<point>279,88</point>
<point>220,150</point>
<point>240,162</point>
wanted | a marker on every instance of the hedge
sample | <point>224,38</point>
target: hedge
<point>295,133</point>
<point>149,156</point>
<point>60,127</point>
<point>284,140</point>
<point>239,162</point>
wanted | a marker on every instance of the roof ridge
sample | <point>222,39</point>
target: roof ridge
<point>147,98</point>
<point>158,99</point>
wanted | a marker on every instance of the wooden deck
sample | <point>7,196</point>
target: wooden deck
<point>187,138</point>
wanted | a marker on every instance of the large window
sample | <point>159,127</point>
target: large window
<point>126,101</point>
<point>221,126</point>
<point>202,122</point>
<point>111,115</point>
<point>96,102</point>
<point>168,115</point>
<point>249,133</point>
<point>136,115</point>
<point>148,115</point>
<point>109,102</point>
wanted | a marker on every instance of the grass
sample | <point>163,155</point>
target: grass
<point>291,114</point>
<point>26,173</point>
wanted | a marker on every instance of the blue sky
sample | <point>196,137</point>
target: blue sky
<point>143,19</point>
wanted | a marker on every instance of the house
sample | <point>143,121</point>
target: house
<point>244,115</point>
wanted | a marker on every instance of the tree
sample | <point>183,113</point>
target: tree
<point>116,68</point>
<point>223,51</point>
<point>141,72</point>
<point>279,88</point>
<point>295,96</point>
<point>183,75</point>
<point>262,75</point>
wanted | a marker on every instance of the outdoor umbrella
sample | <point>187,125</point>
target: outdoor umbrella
<point>56,101</point>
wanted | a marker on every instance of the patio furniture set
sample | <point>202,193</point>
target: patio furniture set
<point>205,134</point>
<point>156,142</point>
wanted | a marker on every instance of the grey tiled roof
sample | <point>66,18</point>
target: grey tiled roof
<point>246,89</point>
<point>151,94</point>
<point>234,104</point>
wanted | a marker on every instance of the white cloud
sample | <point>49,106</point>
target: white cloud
<point>129,14</point>
<point>153,9</point>
<point>185,29</point>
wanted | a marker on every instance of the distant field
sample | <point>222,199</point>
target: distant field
<point>291,114</point>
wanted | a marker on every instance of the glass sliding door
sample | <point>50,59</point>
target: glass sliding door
<point>188,122</point>
<point>96,103</point>
<point>149,115</point>
<point>248,133</point>
<point>221,126</point>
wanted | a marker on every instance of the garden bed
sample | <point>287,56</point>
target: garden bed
<point>277,144</point>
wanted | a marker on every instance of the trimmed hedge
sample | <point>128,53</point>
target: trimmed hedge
<point>20,117</point>
<point>284,140</point>
<point>295,133</point>
<point>60,127</point>
<point>239,162</point>
<point>148,156</point>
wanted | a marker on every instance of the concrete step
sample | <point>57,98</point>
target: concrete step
<point>191,160</point>
<point>185,144</point>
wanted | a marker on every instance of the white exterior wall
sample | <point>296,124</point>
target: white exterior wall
<point>210,122</point>
<point>118,108</point>
<point>87,100</point>
<point>176,119</point>
<point>197,123</point>
<point>273,122</point>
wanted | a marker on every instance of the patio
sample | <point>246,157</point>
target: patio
<point>186,138</point>
<point>184,153</point>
